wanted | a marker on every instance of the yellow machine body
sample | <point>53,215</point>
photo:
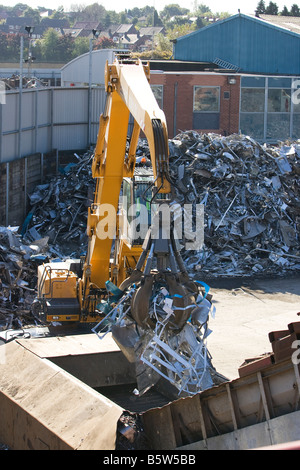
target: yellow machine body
<point>73,295</point>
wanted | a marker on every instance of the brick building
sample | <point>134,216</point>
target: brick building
<point>204,101</point>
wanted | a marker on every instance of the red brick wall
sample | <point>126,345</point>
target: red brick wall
<point>184,83</point>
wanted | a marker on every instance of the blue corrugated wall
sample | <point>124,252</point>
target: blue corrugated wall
<point>246,42</point>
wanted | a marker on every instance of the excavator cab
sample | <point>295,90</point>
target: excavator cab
<point>139,201</point>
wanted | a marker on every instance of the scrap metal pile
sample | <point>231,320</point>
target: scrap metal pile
<point>18,271</point>
<point>251,194</point>
<point>59,209</point>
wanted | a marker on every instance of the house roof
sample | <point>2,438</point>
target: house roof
<point>19,20</point>
<point>125,28</point>
<point>87,25</point>
<point>150,30</point>
<point>133,39</point>
<point>54,23</point>
<point>74,32</point>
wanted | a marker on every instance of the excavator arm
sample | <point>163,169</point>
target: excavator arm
<point>128,93</point>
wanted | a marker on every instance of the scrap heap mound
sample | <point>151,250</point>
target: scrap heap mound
<point>251,198</point>
<point>251,195</point>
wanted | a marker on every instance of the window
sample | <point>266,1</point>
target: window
<point>158,93</point>
<point>206,99</point>
<point>252,125</point>
<point>270,107</point>
<point>279,100</point>
<point>296,126</point>
<point>253,100</point>
<point>253,107</point>
<point>206,107</point>
<point>278,126</point>
<point>253,82</point>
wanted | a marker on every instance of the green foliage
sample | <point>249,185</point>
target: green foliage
<point>295,11</point>
<point>261,7</point>
<point>173,10</point>
<point>285,11</point>
<point>272,9</point>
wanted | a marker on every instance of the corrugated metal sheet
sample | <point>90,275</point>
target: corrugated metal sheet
<point>44,106</point>
<point>70,137</point>
<point>9,148</point>
<point>70,105</point>
<point>249,43</point>
<point>28,109</point>
<point>10,112</point>
<point>98,104</point>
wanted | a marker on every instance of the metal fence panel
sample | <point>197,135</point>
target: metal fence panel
<point>97,108</point>
<point>70,105</point>
<point>9,147</point>
<point>28,109</point>
<point>51,118</point>
<point>70,137</point>
<point>44,140</point>
<point>44,103</point>
<point>10,113</point>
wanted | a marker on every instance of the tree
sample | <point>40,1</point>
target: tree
<point>203,9</point>
<point>94,12</point>
<point>50,45</point>
<point>261,7</point>
<point>58,14</point>
<point>173,10</point>
<point>34,14</point>
<point>80,46</point>
<point>285,11</point>
<point>295,11</point>
<point>18,9</point>
<point>156,19</point>
<point>104,43</point>
<point>272,9</point>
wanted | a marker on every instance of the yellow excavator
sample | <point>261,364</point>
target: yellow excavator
<point>82,290</point>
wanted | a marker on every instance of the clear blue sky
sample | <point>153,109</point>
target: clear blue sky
<point>230,6</point>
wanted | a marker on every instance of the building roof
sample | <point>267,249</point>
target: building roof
<point>125,28</point>
<point>151,30</point>
<point>19,20</point>
<point>291,23</point>
<point>72,32</point>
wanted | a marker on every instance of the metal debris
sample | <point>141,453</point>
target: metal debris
<point>251,194</point>
<point>179,356</point>
<point>18,267</point>
<point>59,209</point>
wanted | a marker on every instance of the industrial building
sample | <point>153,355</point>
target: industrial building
<point>243,43</point>
<point>263,60</point>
